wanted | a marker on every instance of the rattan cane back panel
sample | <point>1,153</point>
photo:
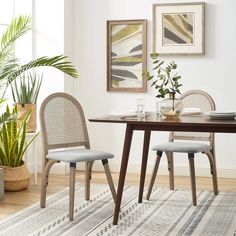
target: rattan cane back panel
<point>196,99</point>
<point>63,122</point>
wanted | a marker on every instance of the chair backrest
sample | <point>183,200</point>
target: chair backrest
<point>198,99</point>
<point>62,122</point>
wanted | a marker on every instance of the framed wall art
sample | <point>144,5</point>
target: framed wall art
<point>126,55</point>
<point>178,28</point>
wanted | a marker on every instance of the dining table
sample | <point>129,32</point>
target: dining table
<point>153,122</point>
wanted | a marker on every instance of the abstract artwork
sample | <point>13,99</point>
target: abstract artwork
<point>126,55</point>
<point>178,28</point>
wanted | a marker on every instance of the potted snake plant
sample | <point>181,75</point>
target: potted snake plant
<point>12,149</point>
<point>25,90</point>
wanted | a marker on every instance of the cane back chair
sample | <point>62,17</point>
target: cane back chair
<point>189,144</point>
<point>65,139</point>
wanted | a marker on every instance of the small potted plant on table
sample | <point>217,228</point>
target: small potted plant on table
<point>166,81</point>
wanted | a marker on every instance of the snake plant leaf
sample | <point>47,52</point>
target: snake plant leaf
<point>12,140</point>
<point>5,143</point>
<point>25,89</point>
<point>22,132</point>
<point>3,159</point>
<point>12,152</point>
<point>22,137</point>
<point>21,143</point>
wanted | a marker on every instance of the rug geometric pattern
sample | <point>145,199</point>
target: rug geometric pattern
<point>167,213</point>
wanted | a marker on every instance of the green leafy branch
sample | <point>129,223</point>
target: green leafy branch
<point>164,79</point>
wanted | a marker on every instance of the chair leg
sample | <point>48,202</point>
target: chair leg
<point>213,172</point>
<point>88,175</point>
<point>109,178</point>
<point>72,191</point>
<point>154,173</point>
<point>169,156</point>
<point>192,176</point>
<point>44,182</point>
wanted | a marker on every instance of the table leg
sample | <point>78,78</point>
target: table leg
<point>146,142</point>
<point>123,168</point>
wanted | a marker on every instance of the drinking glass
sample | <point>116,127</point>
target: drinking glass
<point>158,108</point>
<point>140,108</point>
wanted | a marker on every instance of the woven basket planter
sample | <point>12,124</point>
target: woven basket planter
<point>16,178</point>
<point>22,109</point>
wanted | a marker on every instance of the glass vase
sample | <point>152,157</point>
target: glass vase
<point>171,107</point>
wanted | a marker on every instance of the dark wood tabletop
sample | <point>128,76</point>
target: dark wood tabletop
<point>197,123</point>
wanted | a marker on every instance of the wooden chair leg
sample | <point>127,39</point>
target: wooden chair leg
<point>213,172</point>
<point>87,181</point>
<point>44,182</point>
<point>146,142</point>
<point>169,156</point>
<point>154,174</point>
<point>192,176</point>
<point>88,175</point>
<point>72,190</point>
<point>43,190</point>
<point>109,178</point>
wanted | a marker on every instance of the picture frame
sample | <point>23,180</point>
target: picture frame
<point>179,28</point>
<point>126,55</point>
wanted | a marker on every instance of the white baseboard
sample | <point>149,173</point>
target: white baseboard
<point>203,171</point>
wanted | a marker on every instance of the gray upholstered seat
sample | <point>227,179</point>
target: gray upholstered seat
<point>183,142</point>
<point>78,155</point>
<point>186,147</point>
<point>64,128</point>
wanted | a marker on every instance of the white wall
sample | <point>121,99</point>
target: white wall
<point>53,34</point>
<point>48,40</point>
<point>213,73</point>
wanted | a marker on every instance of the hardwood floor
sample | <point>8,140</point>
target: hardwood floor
<point>15,201</point>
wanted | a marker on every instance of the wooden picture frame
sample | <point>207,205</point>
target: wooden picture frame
<point>126,55</point>
<point>178,28</point>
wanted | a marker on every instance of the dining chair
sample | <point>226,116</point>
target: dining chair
<point>190,143</point>
<point>65,139</point>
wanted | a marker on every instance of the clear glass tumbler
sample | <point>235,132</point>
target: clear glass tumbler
<point>140,108</point>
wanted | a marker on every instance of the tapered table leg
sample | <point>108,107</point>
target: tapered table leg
<point>123,169</point>
<point>146,142</point>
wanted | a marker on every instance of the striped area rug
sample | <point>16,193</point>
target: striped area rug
<point>167,213</point>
